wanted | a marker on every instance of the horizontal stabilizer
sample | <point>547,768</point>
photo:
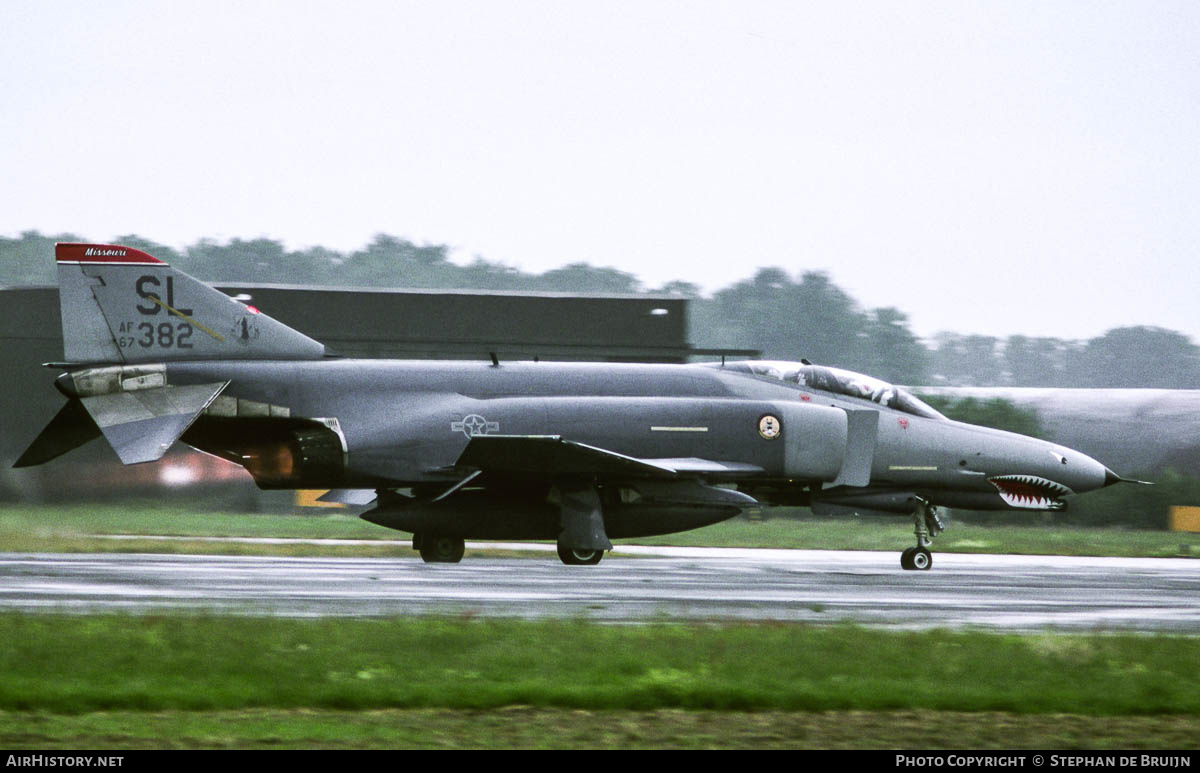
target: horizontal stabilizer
<point>69,429</point>
<point>141,425</point>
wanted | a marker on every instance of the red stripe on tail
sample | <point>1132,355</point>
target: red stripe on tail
<point>67,252</point>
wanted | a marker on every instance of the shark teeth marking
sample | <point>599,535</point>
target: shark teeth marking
<point>1029,492</point>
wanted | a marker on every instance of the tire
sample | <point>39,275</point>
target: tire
<point>575,557</point>
<point>906,559</point>
<point>441,550</point>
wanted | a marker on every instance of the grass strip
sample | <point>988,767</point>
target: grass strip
<point>524,727</point>
<point>70,664</point>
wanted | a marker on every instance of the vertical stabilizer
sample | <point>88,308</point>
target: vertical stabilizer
<point>120,305</point>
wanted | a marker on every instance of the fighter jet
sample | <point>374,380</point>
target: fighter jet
<point>580,453</point>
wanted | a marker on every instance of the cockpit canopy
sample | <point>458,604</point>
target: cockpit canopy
<point>838,382</point>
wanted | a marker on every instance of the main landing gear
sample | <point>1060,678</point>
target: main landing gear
<point>577,557</point>
<point>583,540</point>
<point>439,550</point>
<point>926,525</point>
<point>449,550</point>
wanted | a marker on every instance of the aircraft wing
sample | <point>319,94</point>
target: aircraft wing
<point>695,464</point>
<point>552,455</point>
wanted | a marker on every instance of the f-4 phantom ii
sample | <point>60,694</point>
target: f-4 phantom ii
<point>581,453</point>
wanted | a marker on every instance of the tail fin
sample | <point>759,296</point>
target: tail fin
<point>120,305</point>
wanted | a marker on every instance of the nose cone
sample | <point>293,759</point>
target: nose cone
<point>1111,477</point>
<point>1082,473</point>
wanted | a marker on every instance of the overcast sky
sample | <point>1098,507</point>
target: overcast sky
<point>1003,167</point>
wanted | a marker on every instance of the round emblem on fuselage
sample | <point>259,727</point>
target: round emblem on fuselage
<point>769,427</point>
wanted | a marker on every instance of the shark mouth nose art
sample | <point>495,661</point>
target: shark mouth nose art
<point>1030,492</point>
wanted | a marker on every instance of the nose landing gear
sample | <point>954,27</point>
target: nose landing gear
<point>926,526</point>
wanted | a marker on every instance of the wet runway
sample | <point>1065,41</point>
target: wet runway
<point>633,584</point>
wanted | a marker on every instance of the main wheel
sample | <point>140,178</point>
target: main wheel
<point>441,550</point>
<point>576,557</point>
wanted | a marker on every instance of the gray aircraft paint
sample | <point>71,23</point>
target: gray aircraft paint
<point>411,405</point>
<point>580,452</point>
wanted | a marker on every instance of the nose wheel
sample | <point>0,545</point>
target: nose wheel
<point>926,526</point>
<point>916,558</point>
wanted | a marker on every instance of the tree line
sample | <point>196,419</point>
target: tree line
<point>785,316</point>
